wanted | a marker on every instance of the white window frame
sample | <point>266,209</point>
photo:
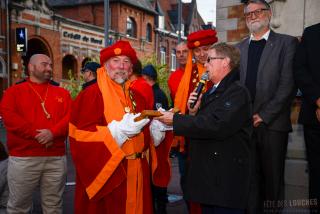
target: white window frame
<point>173,60</point>
<point>3,72</point>
<point>162,55</point>
<point>161,22</point>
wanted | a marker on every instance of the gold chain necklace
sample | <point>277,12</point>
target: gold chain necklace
<point>126,104</point>
<point>42,100</point>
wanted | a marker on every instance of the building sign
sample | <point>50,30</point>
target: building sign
<point>83,38</point>
<point>21,39</point>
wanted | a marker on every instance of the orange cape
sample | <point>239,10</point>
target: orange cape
<point>115,99</point>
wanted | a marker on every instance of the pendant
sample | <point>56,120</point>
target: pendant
<point>45,111</point>
<point>127,109</point>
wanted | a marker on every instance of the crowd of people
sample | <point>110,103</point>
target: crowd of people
<point>229,123</point>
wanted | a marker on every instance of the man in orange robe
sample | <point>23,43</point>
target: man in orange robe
<point>108,147</point>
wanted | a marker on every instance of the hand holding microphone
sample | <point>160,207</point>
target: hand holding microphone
<point>201,84</point>
<point>196,95</point>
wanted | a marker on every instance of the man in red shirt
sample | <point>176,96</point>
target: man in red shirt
<point>175,78</point>
<point>36,115</point>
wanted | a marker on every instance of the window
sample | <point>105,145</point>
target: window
<point>161,22</point>
<point>131,27</point>
<point>173,60</point>
<point>149,33</point>
<point>2,68</point>
<point>182,29</point>
<point>163,55</point>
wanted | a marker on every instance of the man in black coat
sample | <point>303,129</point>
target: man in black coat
<point>307,77</point>
<point>219,127</point>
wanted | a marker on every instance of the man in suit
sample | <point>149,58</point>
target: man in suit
<point>219,127</point>
<point>266,70</point>
<point>307,76</point>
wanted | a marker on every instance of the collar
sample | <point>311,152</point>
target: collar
<point>85,85</point>
<point>216,85</point>
<point>155,86</point>
<point>265,36</point>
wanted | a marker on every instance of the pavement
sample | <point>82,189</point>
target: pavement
<point>175,206</point>
<point>296,179</point>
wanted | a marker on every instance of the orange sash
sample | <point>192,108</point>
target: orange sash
<point>115,99</point>
<point>182,95</point>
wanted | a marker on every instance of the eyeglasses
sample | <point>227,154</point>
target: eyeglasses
<point>213,58</point>
<point>255,12</point>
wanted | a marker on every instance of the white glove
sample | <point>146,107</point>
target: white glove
<point>125,128</point>
<point>162,126</point>
<point>157,132</point>
<point>129,127</point>
<point>119,137</point>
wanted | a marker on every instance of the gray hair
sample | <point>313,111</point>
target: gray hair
<point>263,2</point>
<point>229,51</point>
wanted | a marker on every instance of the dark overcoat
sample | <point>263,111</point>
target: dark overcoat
<point>220,146</point>
<point>307,74</point>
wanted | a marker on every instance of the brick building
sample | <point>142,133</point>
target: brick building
<point>72,32</point>
<point>150,26</point>
<point>68,42</point>
<point>79,43</point>
<point>42,33</point>
<point>167,28</point>
<point>3,46</point>
<point>131,20</point>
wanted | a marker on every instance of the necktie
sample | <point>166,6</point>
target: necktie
<point>212,89</point>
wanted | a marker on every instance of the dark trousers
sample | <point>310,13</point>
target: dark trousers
<point>312,140</point>
<point>207,209</point>
<point>268,180</point>
<point>160,199</point>
<point>182,161</point>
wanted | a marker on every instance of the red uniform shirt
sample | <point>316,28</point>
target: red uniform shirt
<point>173,82</point>
<point>141,87</point>
<point>23,115</point>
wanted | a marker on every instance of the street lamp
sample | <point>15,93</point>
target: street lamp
<point>106,22</point>
<point>179,20</point>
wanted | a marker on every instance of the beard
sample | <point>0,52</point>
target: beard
<point>120,77</point>
<point>120,80</point>
<point>257,26</point>
<point>42,76</point>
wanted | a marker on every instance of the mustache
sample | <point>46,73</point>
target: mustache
<point>120,72</point>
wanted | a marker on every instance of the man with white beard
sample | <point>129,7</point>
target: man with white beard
<point>266,70</point>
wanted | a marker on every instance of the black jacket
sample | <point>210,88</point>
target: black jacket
<point>160,98</point>
<point>307,74</point>
<point>220,150</point>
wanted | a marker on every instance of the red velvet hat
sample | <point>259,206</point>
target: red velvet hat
<point>201,38</point>
<point>117,49</point>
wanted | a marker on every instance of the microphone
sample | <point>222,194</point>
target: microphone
<point>200,86</point>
